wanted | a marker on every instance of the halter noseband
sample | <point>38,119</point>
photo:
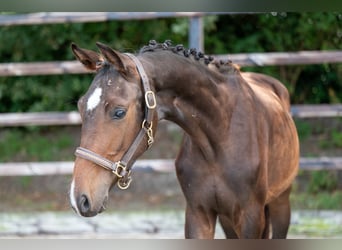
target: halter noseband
<point>122,169</point>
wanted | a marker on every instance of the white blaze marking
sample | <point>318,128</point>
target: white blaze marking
<point>72,197</point>
<point>94,99</point>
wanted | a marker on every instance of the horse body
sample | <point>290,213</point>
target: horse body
<point>240,150</point>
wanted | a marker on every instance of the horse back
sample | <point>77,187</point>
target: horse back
<point>268,83</point>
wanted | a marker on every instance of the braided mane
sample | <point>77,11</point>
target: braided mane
<point>222,66</point>
<point>178,49</point>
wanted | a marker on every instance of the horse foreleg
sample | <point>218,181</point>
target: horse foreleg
<point>280,214</point>
<point>199,224</point>
<point>253,223</point>
<point>227,227</point>
<point>266,233</point>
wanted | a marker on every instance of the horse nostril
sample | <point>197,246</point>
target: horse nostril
<point>84,204</point>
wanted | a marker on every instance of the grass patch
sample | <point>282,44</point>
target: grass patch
<point>304,129</point>
<point>336,137</point>
<point>35,145</point>
<point>318,227</point>
<point>318,201</point>
<point>323,180</point>
<point>333,140</point>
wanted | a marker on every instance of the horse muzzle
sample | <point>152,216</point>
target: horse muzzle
<point>84,206</point>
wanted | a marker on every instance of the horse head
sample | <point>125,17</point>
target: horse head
<point>116,128</point>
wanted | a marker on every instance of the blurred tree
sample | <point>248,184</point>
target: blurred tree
<point>223,34</point>
<point>281,32</point>
<point>52,43</point>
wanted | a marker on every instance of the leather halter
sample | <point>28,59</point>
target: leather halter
<point>122,169</point>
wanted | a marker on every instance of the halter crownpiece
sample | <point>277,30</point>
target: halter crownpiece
<point>122,169</point>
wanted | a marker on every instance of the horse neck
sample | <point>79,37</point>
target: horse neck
<point>192,96</point>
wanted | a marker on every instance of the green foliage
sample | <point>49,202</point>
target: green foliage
<point>52,43</point>
<point>318,201</point>
<point>223,34</point>
<point>323,181</point>
<point>333,140</point>
<point>25,181</point>
<point>281,32</point>
<point>304,129</point>
<point>42,93</point>
<point>336,138</point>
<point>23,144</point>
<point>331,136</point>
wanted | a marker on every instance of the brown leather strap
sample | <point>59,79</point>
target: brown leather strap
<point>149,96</point>
<point>150,105</point>
<point>115,167</point>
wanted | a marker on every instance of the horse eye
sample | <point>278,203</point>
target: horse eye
<point>118,113</point>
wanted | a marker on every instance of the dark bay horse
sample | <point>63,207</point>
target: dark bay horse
<point>239,154</point>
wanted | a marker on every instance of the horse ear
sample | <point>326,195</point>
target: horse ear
<point>90,59</point>
<point>114,57</point>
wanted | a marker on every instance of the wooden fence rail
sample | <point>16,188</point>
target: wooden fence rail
<point>157,165</point>
<point>66,167</point>
<point>39,119</point>
<point>244,59</point>
<point>42,68</point>
<point>284,58</point>
<point>82,17</point>
<point>73,117</point>
<point>316,110</point>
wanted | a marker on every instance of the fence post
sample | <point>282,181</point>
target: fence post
<point>196,33</point>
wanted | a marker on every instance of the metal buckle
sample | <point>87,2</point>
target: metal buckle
<point>118,166</point>
<point>125,182</point>
<point>153,97</point>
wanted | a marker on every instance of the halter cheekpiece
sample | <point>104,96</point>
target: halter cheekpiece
<point>122,169</point>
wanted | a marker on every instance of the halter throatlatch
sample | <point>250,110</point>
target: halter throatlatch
<point>122,169</point>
